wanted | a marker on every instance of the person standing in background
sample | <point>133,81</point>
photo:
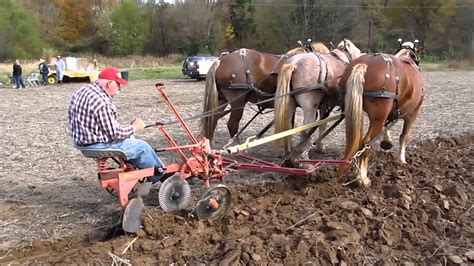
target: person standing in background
<point>44,71</point>
<point>17,78</point>
<point>60,68</point>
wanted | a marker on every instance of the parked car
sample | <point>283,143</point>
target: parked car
<point>196,67</point>
<point>188,64</point>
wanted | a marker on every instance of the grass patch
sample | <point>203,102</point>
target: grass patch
<point>173,72</point>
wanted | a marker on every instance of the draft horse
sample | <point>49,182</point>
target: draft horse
<point>387,88</point>
<point>309,81</point>
<point>242,76</point>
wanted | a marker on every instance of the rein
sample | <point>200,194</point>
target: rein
<point>211,112</point>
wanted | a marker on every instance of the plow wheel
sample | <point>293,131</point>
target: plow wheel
<point>214,203</point>
<point>131,221</point>
<point>174,194</point>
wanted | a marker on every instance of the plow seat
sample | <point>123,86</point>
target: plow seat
<point>103,153</point>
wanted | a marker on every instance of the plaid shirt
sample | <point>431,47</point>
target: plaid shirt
<point>93,117</point>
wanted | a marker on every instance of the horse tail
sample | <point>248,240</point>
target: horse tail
<point>211,100</point>
<point>282,100</point>
<point>353,110</point>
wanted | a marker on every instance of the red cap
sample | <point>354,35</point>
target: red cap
<point>111,73</point>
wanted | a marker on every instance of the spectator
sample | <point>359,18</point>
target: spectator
<point>17,78</point>
<point>44,71</point>
<point>93,122</point>
<point>60,68</point>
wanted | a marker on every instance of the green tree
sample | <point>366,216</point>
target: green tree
<point>420,19</point>
<point>242,23</point>
<point>126,29</point>
<point>19,34</point>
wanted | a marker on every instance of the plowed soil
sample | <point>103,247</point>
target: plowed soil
<point>418,212</point>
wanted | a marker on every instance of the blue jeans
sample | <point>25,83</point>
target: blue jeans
<point>45,78</point>
<point>18,80</point>
<point>138,152</point>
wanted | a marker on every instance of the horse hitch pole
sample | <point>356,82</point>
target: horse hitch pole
<point>253,141</point>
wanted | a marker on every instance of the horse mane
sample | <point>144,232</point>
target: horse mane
<point>350,47</point>
<point>320,47</point>
<point>410,56</point>
<point>297,50</point>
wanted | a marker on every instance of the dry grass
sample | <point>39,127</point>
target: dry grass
<point>126,62</point>
<point>135,61</point>
<point>28,66</point>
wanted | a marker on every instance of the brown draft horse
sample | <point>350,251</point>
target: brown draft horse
<point>239,77</point>
<point>387,88</point>
<point>310,82</point>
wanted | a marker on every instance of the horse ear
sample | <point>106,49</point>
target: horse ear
<point>400,41</point>
<point>415,43</point>
<point>300,43</point>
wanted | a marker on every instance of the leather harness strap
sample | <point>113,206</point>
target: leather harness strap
<point>384,93</point>
<point>248,82</point>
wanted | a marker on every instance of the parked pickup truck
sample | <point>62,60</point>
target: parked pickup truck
<point>196,67</point>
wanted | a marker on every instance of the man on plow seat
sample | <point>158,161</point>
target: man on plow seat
<point>92,120</point>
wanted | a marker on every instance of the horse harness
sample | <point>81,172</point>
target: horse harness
<point>248,82</point>
<point>322,83</point>
<point>384,93</point>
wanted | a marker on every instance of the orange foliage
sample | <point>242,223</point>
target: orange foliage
<point>78,17</point>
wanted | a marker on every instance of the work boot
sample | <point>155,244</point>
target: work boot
<point>159,175</point>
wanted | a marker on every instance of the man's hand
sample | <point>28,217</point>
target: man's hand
<point>138,124</point>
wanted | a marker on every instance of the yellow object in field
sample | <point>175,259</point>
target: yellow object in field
<point>93,75</point>
<point>75,68</point>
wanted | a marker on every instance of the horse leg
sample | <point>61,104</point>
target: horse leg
<point>406,132</point>
<point>321,147</point>
<point>309,103</point>
<point>309,116</point>
<point>376,126</point>
<point>387,142</point>
<point>234,120</point>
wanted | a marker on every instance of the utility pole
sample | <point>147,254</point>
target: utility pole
<point>369,36</point>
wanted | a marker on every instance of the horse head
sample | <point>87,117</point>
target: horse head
<point>349,48</point>
<point>408,49</point>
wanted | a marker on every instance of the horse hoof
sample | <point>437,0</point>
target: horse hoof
<point>365,182</point>
<point>288,163</point>
<point>386,145</point>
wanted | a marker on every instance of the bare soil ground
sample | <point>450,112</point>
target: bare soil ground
<point>419,212</point>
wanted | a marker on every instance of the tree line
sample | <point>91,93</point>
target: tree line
<point>156,27</point>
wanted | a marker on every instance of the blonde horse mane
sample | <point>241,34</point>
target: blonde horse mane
<point>350,47</point>
<point>320,47</point>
